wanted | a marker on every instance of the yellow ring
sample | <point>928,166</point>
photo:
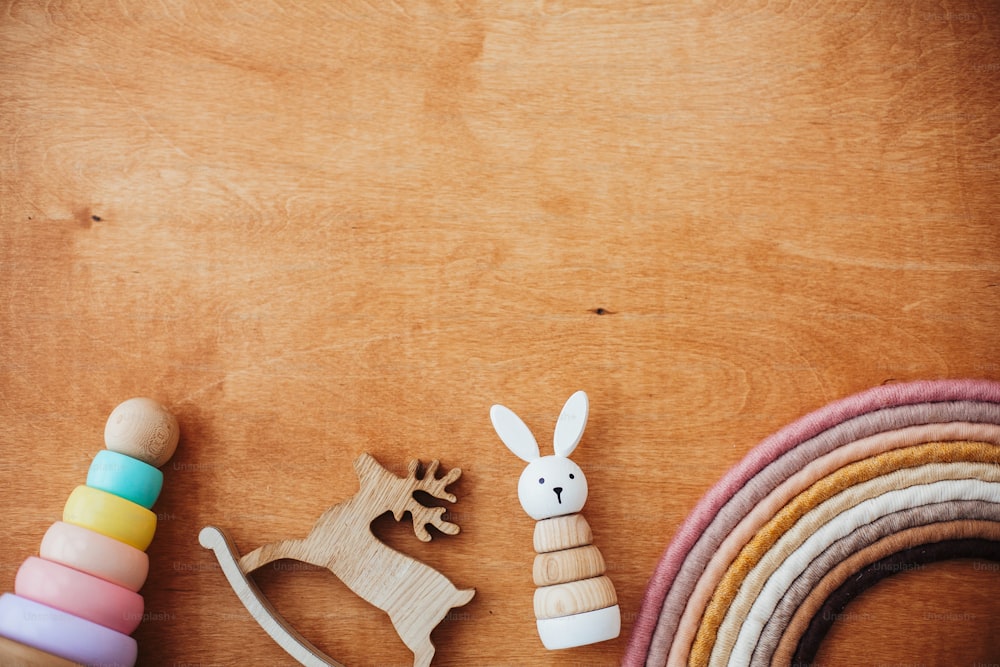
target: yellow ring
<point>107,514</point>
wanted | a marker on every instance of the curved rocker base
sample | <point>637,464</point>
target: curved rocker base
<point>260,609</point>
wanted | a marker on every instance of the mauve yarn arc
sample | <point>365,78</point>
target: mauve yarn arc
<point>143,429</point>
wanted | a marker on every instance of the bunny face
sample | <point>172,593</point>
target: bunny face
<point>552,486</point>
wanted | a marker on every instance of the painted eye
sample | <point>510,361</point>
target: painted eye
<point>571,476</point>
<point>541,480</point>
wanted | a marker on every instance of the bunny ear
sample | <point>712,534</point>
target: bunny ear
<point>572,420</point>
<point>514,433</point>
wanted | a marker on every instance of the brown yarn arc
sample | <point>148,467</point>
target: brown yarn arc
<point>925,524</point>
<point>981,540</point>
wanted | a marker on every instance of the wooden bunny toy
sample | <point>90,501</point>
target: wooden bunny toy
<point>575,603</point>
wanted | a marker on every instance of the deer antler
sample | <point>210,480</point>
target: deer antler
<point>430,484</point>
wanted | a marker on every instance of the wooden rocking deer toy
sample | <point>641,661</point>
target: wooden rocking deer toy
<point>416,596</point>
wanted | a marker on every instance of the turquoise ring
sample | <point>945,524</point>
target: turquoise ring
<point>125,477</point>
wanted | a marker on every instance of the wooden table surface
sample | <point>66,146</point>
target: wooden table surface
<point>314,229</point>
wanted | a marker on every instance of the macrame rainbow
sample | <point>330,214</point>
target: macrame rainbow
<point>866,486</point>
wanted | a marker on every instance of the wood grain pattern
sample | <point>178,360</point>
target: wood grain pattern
<point>574,597</point>
<point>558,567</point>
<point>15,654</point>
<point>561,532</point>
<point>312,229</point>
<point>415,596</point>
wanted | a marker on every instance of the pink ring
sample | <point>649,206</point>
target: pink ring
<point>102,556</point>
<point>63,634</point>
<point>80,594</point>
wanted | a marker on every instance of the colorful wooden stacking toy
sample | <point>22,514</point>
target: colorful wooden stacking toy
<point>77,602</point>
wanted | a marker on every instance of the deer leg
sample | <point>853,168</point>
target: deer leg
<point>423,654</point>
<point>268,553</point>
<point>416,634</point>
<point>417,637</point>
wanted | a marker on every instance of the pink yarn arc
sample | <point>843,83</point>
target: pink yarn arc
<point>760,457</point>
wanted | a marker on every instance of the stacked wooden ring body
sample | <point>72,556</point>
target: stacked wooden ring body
<point>575,603</point>
<point>78,601</point>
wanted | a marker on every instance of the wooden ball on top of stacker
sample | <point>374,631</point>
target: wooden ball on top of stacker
<point>143,429</point>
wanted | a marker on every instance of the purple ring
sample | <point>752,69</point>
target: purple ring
<point>64,635</point>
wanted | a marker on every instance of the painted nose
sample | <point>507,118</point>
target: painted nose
<point>558,491</point>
